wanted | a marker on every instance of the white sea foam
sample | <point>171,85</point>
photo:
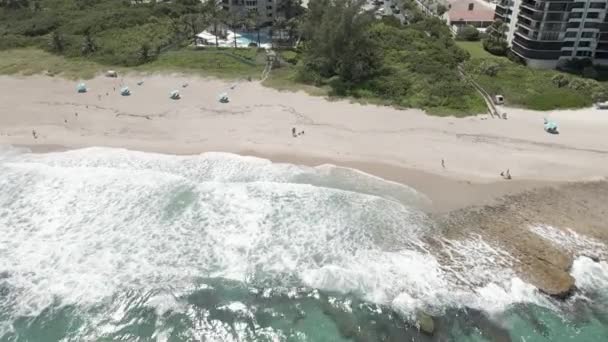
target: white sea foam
<point>571,241</point>
<point>589,275</point>
<point>82,226</point>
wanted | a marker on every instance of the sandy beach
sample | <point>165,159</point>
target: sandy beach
<point>259,120</point>
<point>406,146</point>
<point>401,145</point>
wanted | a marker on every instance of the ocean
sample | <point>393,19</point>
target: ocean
<point>104,244</point>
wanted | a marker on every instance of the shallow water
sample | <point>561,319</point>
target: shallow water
<point>108,244</point>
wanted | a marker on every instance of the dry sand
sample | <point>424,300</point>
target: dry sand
<point>401,145</point>
<point>259,120</point>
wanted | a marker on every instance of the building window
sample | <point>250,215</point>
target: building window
<point>584,44</point>
<point>568,44</point>
<point>549,36</point>
<point>583,53</point>
<point>592,15</point>
<point>588,34</point>
<point>571,34</point>
<point>566,53</point>
<point>597,5</point>
<point>251,3</point>
<point>575,15</point>
<point>601,55</point>
<point>552,27</point>
<point>574,24</point>
<point>591,25</point>
<point>554,17</point>
<point>471,6</point>
<point>557,7</point>
<point>268,7</point>
<point>577,5</point>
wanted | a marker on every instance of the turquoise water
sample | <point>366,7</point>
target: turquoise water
<point>110,245</point>
<point>252,37</point>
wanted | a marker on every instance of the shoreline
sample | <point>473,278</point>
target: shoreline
<point>558,180</point>
<point>446,194</point>
<point>502,214</point>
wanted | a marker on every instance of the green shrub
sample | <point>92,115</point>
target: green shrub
<point>589,72</point>
<point>577,85</point>
<point>468,33</point>
<point>496,47</point>
<point>488,68</point>
<point>560,80</point>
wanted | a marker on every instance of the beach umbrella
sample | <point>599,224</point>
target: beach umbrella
<point>550,127</point>
<point>81,88</point>
<point>124,91</point>
<point>223,98</point>
<point>174,95</point>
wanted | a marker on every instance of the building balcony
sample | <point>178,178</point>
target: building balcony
<point>537,44</point>
<point>534,54</point>
<point>536,16</point>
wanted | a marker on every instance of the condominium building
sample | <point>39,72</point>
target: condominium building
<point>266,9</point>
<point>547,32</point>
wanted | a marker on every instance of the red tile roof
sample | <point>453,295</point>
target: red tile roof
<point>459,11</point>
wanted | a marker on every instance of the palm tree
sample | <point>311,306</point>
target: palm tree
<point>254,20</point>
<point>195,20</point>
<point>280,23</point>
<point>290,8</point>
<point>215,15</point>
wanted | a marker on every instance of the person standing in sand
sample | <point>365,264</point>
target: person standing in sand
<point>442,163</point>
<point>293,132</point>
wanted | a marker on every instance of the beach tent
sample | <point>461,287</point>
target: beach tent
<point>81,88</point>
<point>223,98</point>
<point>174,95</point>
<point>551,127</point>
<point>124,91</point>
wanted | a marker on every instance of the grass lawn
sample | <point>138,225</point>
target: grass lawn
<point>475,49</point>
<point>223,63</point>
<point>284,79</point>
<point>32,61</point>
<point>526,87</point>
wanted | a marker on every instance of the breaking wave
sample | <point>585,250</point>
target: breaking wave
<point>98,229</point>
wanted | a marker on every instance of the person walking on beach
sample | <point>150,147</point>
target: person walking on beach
<point>442,163</point>
<point>293,132</point>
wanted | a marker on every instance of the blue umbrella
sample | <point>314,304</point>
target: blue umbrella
<point>81,88</point>
<point>174,95</point>
<point>223,98</point>
<point>551,127</point>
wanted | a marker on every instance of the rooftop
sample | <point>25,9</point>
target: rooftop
<point>469,10</point>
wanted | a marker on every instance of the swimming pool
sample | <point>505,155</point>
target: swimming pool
<point>252,37</point>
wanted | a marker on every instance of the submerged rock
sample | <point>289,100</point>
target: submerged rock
<point>425,323</point>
